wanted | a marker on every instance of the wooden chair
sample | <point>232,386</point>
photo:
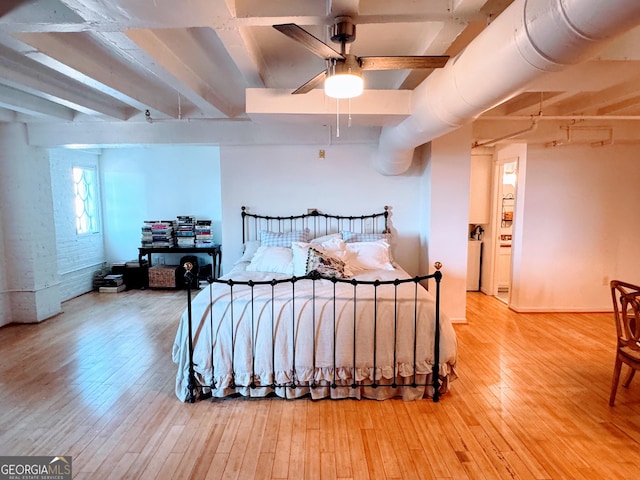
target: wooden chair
<point>626,308</point>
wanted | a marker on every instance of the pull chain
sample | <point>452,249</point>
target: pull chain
<point>337,117</point>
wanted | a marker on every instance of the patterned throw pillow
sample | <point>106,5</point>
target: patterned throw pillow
<point>283,239</point>
<point>326,264</point>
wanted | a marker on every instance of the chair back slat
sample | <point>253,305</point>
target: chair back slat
<point>626,308</point>
<point>626,304</point>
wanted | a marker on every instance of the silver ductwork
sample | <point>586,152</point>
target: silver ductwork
<point>530,38</point>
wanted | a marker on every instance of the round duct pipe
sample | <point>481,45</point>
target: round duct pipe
<point>530,38</point>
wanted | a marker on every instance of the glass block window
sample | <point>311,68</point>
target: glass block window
<point>86,199</point>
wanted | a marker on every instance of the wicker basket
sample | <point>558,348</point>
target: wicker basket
<point>163,276</point>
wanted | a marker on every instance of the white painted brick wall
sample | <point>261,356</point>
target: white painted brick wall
<point>79,256</point>
<point>4,297</point>
<point>29,258</point>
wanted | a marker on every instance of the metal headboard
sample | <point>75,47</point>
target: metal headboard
<point>318,223</point>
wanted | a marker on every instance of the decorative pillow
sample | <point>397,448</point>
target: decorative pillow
<point>283,239</point>
<point>326,264</point>
<point>272,259</point>
<point>350,237</point>
<point>300,252</point>
<point>369,255</point>
<point>248,251</point>
<point>325,238</point>
<point>335,246</point>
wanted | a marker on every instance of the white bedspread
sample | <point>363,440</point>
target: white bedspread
<point>237,336</point>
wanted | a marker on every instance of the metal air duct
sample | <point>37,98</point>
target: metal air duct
<point>530,38</point>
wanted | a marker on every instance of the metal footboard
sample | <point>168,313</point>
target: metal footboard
<point>196,389</point>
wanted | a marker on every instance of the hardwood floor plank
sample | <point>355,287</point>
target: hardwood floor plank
<point>204,459</point>
<point>298,442</point>
<point>272,425</point>
<point>250,465</point>
<point>341,450</point>
<point>312,455</point>
<point>216,468</point>
<point>360,463</point>
<point>373,456</point>
<point>283,443</point>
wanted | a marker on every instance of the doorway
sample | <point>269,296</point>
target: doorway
<point>504,218</point>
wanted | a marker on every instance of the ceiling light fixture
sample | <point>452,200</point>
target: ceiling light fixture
<point>344,78</point>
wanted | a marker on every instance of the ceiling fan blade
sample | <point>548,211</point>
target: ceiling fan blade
<point>308,41</point>
<point>311,84</point>
<point>400,63</point>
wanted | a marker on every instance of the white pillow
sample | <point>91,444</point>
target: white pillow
<point>334,246</point>
<point>326,238</point>
<point>300,252</point>
<point>248,251</point>
<point>369,255</point>
<point>272,259</point>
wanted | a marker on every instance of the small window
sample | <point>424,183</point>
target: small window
<point>86,199</point>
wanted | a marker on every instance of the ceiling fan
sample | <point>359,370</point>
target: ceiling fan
<point>348,66</point>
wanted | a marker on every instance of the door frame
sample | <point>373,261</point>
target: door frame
<point>498,193</point>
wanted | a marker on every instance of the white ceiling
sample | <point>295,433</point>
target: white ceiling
<point>84,61</point>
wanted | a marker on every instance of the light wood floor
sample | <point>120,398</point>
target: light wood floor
<point>531,401</point>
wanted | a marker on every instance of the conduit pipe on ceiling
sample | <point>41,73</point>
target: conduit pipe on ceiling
<point>530,38</point>
<point>490,143</point>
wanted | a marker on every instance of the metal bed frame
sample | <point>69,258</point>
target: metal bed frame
<point>321,224</point>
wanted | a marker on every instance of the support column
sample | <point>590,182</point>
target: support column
<point>30,286</point>
<point>446,212</point>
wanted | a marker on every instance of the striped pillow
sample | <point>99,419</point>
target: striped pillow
<point>284,239</point>
<point>351,237</point>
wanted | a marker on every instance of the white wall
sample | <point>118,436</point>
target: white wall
<point>287,180</point>
<point>156,183</point>
<point>579,227</point>
<point>447,190</point>
<point>79,256</point>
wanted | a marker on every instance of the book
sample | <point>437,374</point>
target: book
<point>117,289</point>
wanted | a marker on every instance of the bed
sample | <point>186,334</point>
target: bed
<point>316,306</point>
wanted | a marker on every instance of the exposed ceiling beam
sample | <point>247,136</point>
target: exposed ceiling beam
<point>155,99</point>
<point>588,103</point>
<point>91,69</point>
<point>171,68</point>
<point>628,105</point>
<point>31,105</point>
<point>28,77</point>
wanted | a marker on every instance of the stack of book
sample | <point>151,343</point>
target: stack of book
<point>158,233</point>
<point>111,283</point>
<point>186,233</point>
<point>147,234</point>
<point>204,236</point>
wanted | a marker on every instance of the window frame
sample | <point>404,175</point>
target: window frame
<point>93,197</point>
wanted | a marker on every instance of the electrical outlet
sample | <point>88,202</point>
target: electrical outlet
<point>321,154</point>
